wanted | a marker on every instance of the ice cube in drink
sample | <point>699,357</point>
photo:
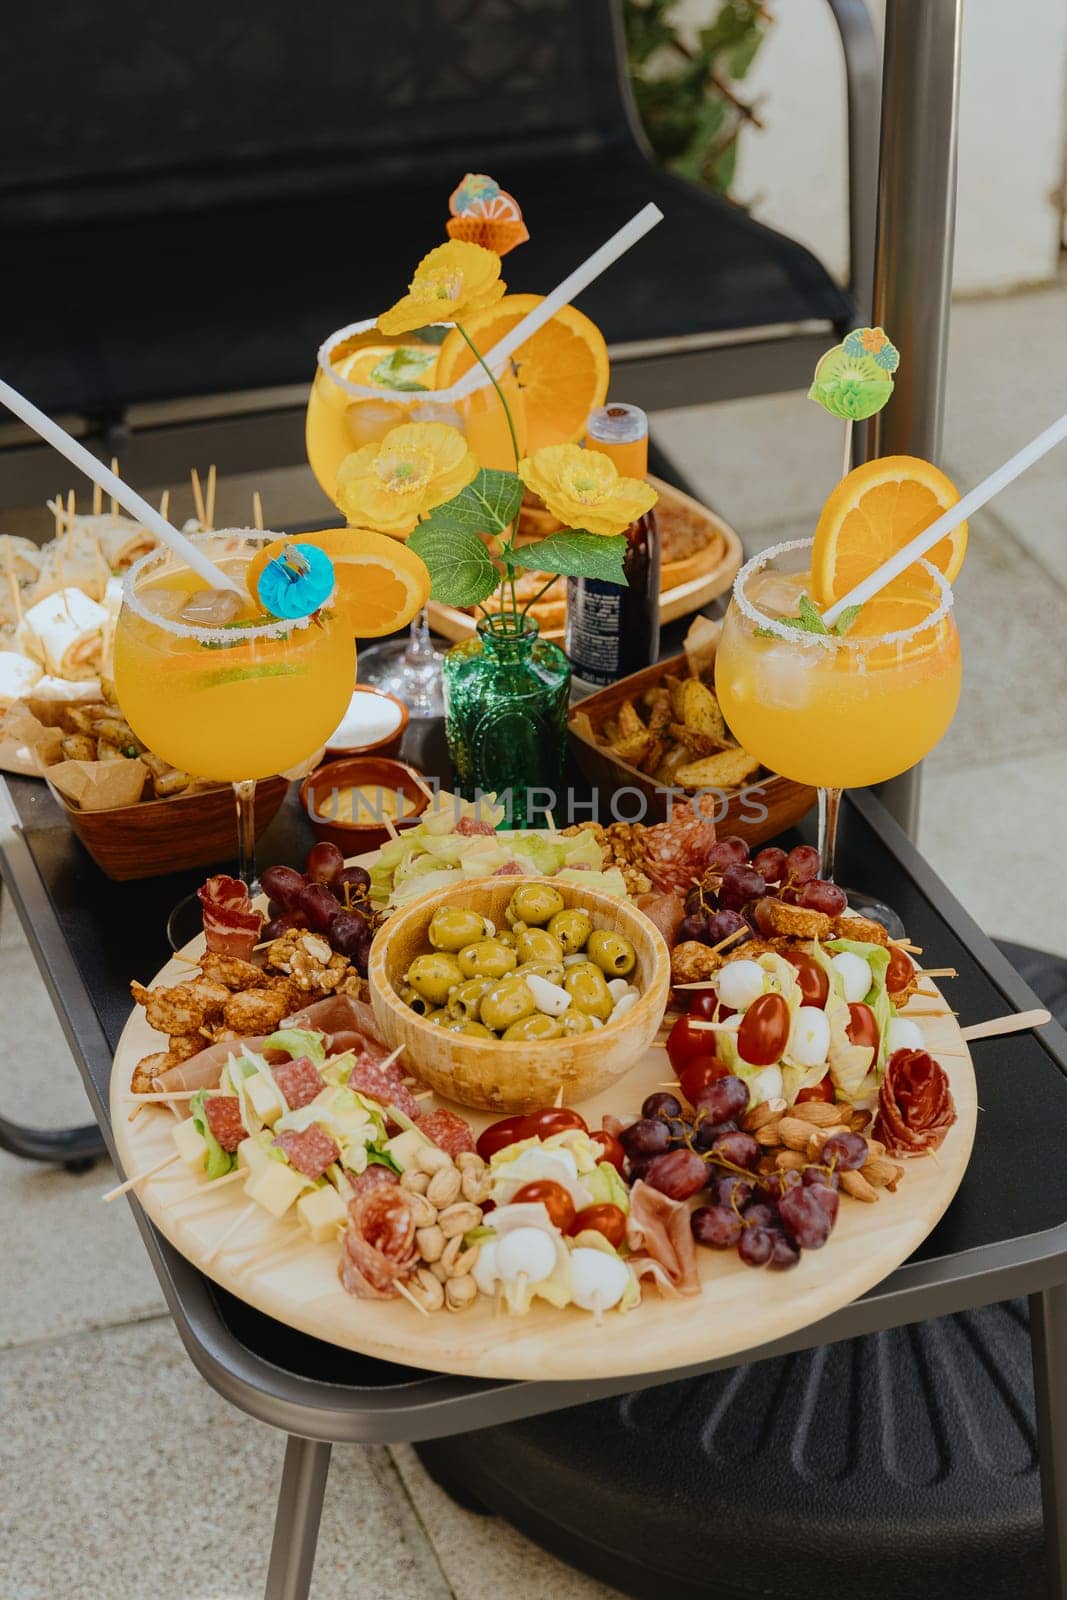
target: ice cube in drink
<point>211,608</point>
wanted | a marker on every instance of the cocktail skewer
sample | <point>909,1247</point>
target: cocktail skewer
<point>115,471</point>
<point>1015,1022</point>
<point>198,500</point>
<point>210,497</point>
<point>139,1177</point>
<point>238,1222</point>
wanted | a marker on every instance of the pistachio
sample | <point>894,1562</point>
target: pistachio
<point>460,1293</point>
<point>444,1187</point>
<point>459,1218</point>
<point>415,1182</point>
<point>431,1158</point>
<point>428,1290</point>
<point>431,1242</point>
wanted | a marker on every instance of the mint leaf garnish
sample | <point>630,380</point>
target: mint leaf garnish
<point>846,619</point>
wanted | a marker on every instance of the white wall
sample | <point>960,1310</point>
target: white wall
<point>1013,135</point>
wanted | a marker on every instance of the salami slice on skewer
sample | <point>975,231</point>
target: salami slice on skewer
<point>448,1130</point>
<point>374,1177</point>
<point>310,1152</point>
<point>384,1084</point>
<point>300,1081</point>
<point>379,1249</point>
<point>223,1115</point>
<point>915,1104</point>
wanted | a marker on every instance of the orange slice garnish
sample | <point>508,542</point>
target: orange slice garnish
<point>381,584</point>
<point>562,370</point>
<point>872,513</point>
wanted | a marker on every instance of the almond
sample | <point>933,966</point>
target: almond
<point>855,1184</point>
<point>770,1133</point>
<point>760,1115</point>
<point>790,1161</point>
<point>818,1113</point>
<point>858,1121</point>
<point>793,1133</point>
<point>879,1171</point>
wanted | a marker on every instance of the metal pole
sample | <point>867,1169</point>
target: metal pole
<point>296,1524</point>
<point>914,246</point>
<point>1048,1336</point>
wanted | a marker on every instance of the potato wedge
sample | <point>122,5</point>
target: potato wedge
<point>629,720</point>
<point>700,710</point>
<point>582,726</point>
<point>726,770</point>
<point>675,688</point>
<point>634,748</point>
<point>78,747</point>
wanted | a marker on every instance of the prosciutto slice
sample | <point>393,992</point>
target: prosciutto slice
<point>379,1249</point>
<point>231,925</point>
<point>915,1104</point>
<point>349,1024</point>
<point>665,911</point>
<point>658,1232</point>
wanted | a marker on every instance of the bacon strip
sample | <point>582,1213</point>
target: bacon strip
<point>231,926</point>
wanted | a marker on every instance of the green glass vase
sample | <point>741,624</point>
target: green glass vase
<point>506,695</point>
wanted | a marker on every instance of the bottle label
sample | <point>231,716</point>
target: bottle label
<point>594,629</point>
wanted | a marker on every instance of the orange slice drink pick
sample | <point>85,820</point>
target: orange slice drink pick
<point>381,584</point>
<point>874,511</point>
<point>562,369</point>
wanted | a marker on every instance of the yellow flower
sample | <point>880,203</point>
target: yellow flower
<point>584,490</point>
<point>388,486</point>
<point>450,283</point>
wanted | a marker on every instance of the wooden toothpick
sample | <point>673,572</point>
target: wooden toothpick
<point>198,500</point>
<point>402,1289</point>
<point>139,1177</point>
<point>210,500</point>
<point>118,474</point>
<point>1015,1022</point>
<point>257,511</point>
<point>164,505</point>
<point>98,500</point>
<point>238,1222</point>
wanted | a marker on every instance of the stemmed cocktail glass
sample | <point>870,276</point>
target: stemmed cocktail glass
<point>837,712</point>
<point>216,687</point>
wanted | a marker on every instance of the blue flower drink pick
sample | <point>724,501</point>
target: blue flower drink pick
<point>297,583</point>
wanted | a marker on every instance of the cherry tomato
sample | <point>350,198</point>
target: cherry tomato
<point>862,1026</point>
<point>698,1072</point>
<point>533,1125</point>
<point>555,1199</point>
<point>610,1150</point>
<point>685,1040</point>
<point>605,1219</point>
<point>823,1090</point>
<point>899,972</point>
<point>814,983</point>
<point>764,1031</point>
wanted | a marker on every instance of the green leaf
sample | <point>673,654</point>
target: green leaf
<point>574,553</point>
<point>402,368</point>
<point>487,505</point>
<point>461,572</point>
<point>810,616</point>
<point>847,618</point>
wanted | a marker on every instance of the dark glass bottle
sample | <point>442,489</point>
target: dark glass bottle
<point>613,630</point>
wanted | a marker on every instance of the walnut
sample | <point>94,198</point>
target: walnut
<point>308,961</point>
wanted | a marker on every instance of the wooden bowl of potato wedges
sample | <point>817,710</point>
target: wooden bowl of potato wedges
<point>661,732</point>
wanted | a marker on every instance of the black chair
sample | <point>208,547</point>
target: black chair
<point>191,199</point>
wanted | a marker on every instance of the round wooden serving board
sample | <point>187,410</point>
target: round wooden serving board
<point>272,1264</point>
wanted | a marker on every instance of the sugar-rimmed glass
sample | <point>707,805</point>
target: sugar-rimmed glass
<point>235,702</point>
<point>837,712</point>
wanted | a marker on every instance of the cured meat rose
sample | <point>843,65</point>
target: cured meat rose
<point>379,1246</point>
<point>310,1152</point>
<point>448,1130</point>
<point>915,1105</point>
<point>223,1115</point>
<point>373,1177</point>
<point>468,826</point>
<point>510,869</point>
<point>299,1081</point>
<point>231,926</point>
<point>658,1230</point>
<point>676,852</point>
<point>384,1084</point>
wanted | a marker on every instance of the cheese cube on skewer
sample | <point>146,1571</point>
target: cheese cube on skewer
<point>190,1145</point>
<point>275,1187</point>
<point>322,1212</point>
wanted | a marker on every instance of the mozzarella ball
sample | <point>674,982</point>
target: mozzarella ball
<point>810,1041</point>
<point>904,1035</point>
<point>525,1250</point>
<point>855,975</point>
<point>741,982</point>
<point>598,1281</point>
<point>484,1271</point>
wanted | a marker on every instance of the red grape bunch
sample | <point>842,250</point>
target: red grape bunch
<point>328,898</point>
<point>724,901</point>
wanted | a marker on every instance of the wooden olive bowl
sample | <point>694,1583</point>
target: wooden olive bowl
<point>518,1075</point>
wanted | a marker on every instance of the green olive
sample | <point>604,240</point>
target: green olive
<point>612,952</point>
<point>451,928</point>
<point>537,944</point>
<point>438,1016</point>
<point>574,1021</point>
<point>588,990</point>
<point>411,997</point>
<point>536,1027</point>
<point>487,958</point>
<point>551,971</point>
<point>477,1030</point>
<point>506,936</point>
<point>572,928</point>
<point>433,976</point>
<point>464,1000</point>
<point>534,904</point>
<point>505,1003</point>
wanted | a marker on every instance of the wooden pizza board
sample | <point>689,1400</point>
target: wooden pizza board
<point>272,1264</point>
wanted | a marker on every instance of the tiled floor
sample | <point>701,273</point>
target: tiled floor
<point>122,1476</point>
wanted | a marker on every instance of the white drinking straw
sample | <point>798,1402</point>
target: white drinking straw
<point>973,501</point>
<point>113,485</point>
<point>561,295</point>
